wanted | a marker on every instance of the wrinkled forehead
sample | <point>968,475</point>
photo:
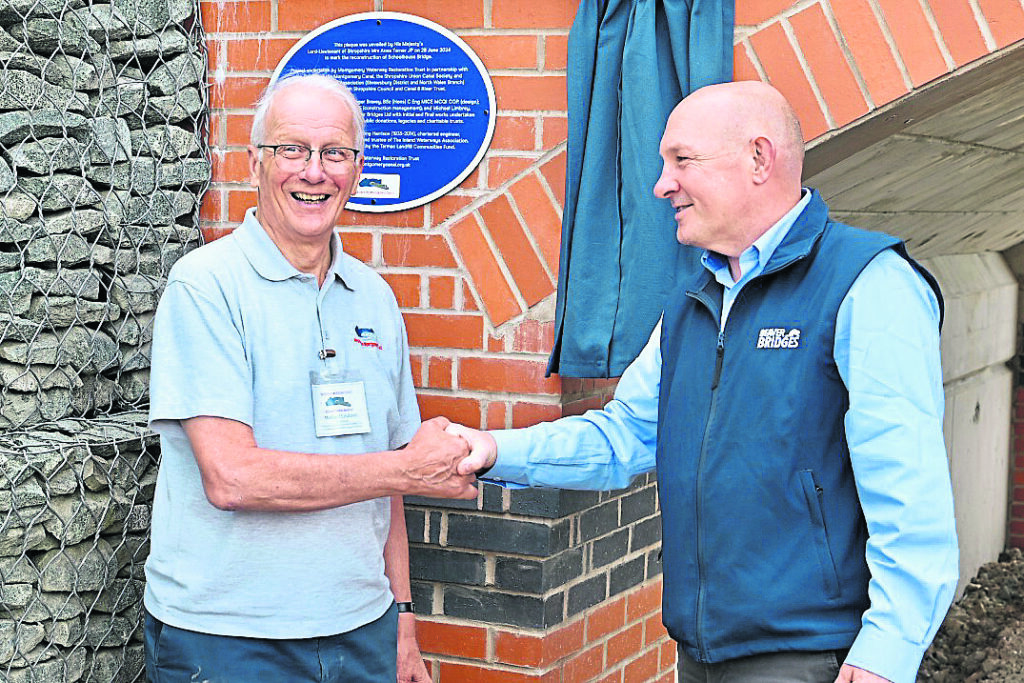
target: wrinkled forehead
<point>309,108</point>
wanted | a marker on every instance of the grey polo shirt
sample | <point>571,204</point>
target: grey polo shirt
<point>237,334</point>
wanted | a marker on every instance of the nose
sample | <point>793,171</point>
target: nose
<point>314,169</point>
<point>666,185</point>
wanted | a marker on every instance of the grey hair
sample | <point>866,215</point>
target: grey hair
<point>319,81</point>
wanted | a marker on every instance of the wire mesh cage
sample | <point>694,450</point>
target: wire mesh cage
<point>103,159</point>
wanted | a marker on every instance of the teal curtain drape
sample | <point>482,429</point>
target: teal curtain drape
<point>630,63</point>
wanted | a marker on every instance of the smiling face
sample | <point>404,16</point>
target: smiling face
<point>302,206</point>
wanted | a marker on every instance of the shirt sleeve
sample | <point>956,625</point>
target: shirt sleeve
<point>599,450</point>
<point>887,352</point>
<point>199,364</point>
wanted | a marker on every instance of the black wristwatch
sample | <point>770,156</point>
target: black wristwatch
<point>404,607</point>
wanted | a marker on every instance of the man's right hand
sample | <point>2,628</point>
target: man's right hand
<point>433,462</point>
<point>483,450</point>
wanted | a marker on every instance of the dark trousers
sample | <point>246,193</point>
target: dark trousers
<point>777,667</point>
<point>365,655</point>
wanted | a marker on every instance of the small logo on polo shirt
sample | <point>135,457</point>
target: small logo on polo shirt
<point>778,338</point>
<point>365,336</point>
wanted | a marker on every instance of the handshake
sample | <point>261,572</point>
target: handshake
<point>443,458</point>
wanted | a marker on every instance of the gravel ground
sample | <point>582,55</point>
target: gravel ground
<point>982,638</point>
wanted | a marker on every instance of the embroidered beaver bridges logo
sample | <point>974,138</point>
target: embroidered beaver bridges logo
<point>778,338</point>
<point>365,336</point>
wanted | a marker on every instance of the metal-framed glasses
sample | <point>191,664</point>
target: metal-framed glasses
<point>295,157</point>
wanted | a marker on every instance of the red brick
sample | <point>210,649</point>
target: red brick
<point>528,414</point>
<point>828,64</point>
<point>439,373</point>
<point>410,218</point>
<point>959,30</point>
<point>496,411</point>
<point>505,375</point>
<point>451,639</point>
<point>643,668</point>
<point>238,129</point>
<point>556,52</point>
<point>585,666</point>
<point>498,298</point>
<point>442,208</point>
<point>237,92</point>
<point>1005,19</point>
<point>496,344</point>
<point>914,39</point>
<point>514,246</point>
<point>452,14</point>
<point>214,233</point>
<point>406,287</point>
<point>785,73</point>
<point>556,131</point>
<point>214,130</point>
<point>232,166</point>
<point>239,201</point>
<point>515,133</point>
<point>669,655</point>
<point>257,54</point>
<point>358,245</point>
<point>442,291</point>
<point>625,644</point>
<point>417,251</point>
<point>533,336</point>
<point>530,93</point>
<point>654,630</point>
<point>541,216</point>
<point>606,619</point>
<point>753,12</point>
<point>235,17</point>
<point>742,68</point>
<point>457,409</point>
<point>554,173</point>
<point>468,298</point>
<point>306,15</point>
<point>416,369</point>
<point>614,677</point>
<point>644,601</point>
<point>578,407</point>
<point>452,330</point>
<point>871,52</point>
<point>501,169</point>
<point>505,51</point>
<point>519,649</point>
<point>518,14</point>
<point>211,207</point>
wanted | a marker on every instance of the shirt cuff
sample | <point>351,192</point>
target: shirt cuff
<point>511,464</point>
<point>886,655</point>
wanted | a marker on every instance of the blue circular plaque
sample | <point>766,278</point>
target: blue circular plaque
<point>426,96</point>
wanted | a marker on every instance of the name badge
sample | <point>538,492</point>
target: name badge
<point>339,408</point>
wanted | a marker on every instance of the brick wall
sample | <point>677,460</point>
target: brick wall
<point>569,582</point>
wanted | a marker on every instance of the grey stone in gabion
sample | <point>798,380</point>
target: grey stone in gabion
<point>133,386</point>
<point>138,174</point>
<point>181,72</point>
<point>17,205</point>
<point>119,260</point>
<point>7,178</point>
<point>7,43</point>
<point>87,566</point>
<point>51,606</point>
<point>135,357</point>
<point>18,570</point>
<point>103,630</point>
<point>126,97</point>
<point>37,377</point>
<point>26,495</point>
<point>18,639</point>
<point>46,36</point>
<point>47,155</point>
<point>154,14</point>
<point>105,22</point>
<point>64,311</point>
<point>68,282</point>
<point>75,520</point>
<point>185,105</point>
<point>19,126</point>
<point>58,69</point>
<point>23,90</point>
<point>161,207</point>
<point>24,462</point>
<point>139,519</point>
<point>60,191</point>
<point>59,250</point>
<point>66,632</point>
<point>165,142</point>
<point>67,668</point>
<point>77,346</point>
<point>134,330</point>
<point>136,293</point>
<point>110,141</point>
<point>15,293</point>
<point>96,393</point>
<point>13,231</point>
<point>17,10</point>
<point>17,540</point>
<point>81,221</point>
<point>185,172</point>
<point>117,665</point>
<point>122,594</point>
<point>16,595</point>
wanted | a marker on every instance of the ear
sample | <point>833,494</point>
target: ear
<point>763,158</point>
<point>359,174</point>
<point>254,164</point>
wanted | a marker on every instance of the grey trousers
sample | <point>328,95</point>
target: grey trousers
<point>780,667</point>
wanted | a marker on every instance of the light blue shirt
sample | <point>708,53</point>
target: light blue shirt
<point>887,353</point>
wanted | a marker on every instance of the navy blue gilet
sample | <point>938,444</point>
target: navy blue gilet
<point>763,534</point>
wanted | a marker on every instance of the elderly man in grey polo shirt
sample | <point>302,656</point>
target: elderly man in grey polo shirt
<point>282,394</point>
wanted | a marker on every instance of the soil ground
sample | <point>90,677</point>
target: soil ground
<point>982,637</point>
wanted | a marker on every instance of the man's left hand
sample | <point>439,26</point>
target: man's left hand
<point>851,674</point>
<point>411,668</point>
